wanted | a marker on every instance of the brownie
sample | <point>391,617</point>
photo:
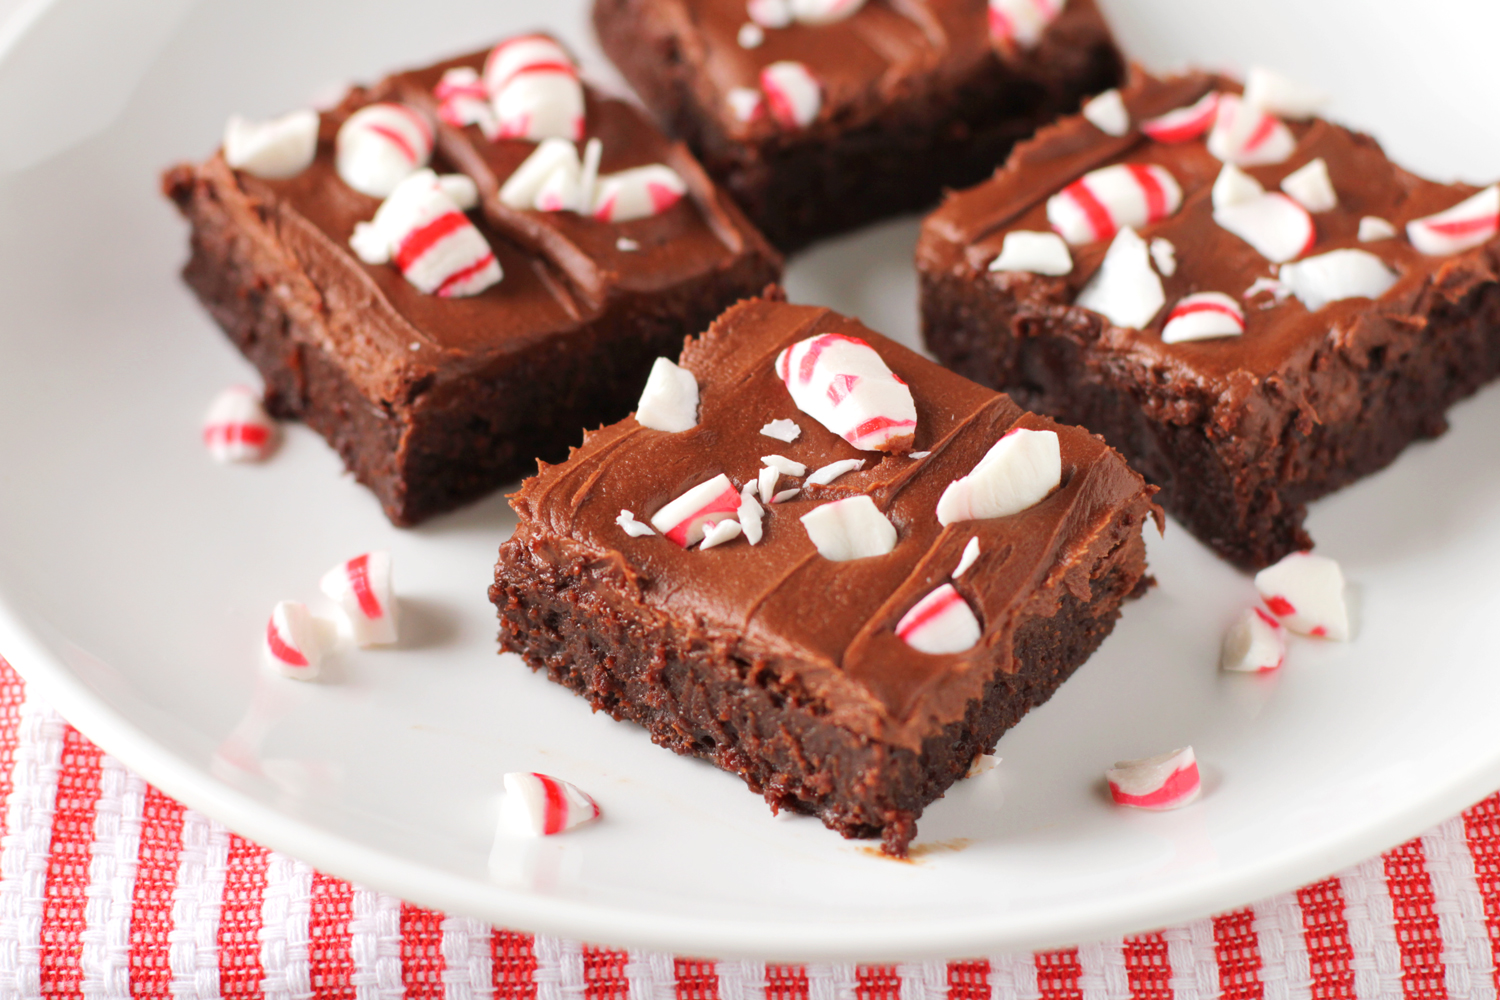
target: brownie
<point>433,401</point>
<point>1240,432</point>
<point>780,665</point>
<point>914,97</point>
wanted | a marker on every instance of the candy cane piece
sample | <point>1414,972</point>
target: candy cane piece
<point>1307,593</point>
<point>833,470</point>
<point>793,93</point>
<point>1022,22</point>
<point>539,805</point>
<point>430,240</point>
<point>632,527</point>
<point>1104,201</point>
<point>782,430</point>
<point>1311,187</point>
<point>522,188</point>
<point>1018,472</point>
<point>534,89</point>
<point>966,559</point>
<point>1247,136</point>
<point>1337,275</point>
<point>1126,291</point>
<point>745,104</point>
<point>1234,187</point>
<point>1166,781</point>
<point>1164,256</point>
<point>294,642</point>
<point>670,400</point>
<point>638,193</point>
<point>1276,226</point>
<point>1372,228</point>
<point>237,428</point>
<point>1270,91</point>
<point>363,590</point>
<point>941,622</point>
<point>280,148</point>
<point>1184,124</point>
<point>1255,643</point>
<point>381,145</point>
<point>1108,113</point>
<point>1037,253</point>
<point>843,383</point>
<point>853,528</point>
<point>688,518</point>
<point>1203,316</point>
<point>824,11</point>
<point>770,13</point>
<point>750,514</point>
<point>1469,223</point>
<point>463,100</point>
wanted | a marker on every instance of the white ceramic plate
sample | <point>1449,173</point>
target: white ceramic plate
<point>135,575</point>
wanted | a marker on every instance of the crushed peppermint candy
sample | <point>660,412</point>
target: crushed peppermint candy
<point>1183,124</point>
<point>785,495</point>
<point>637,193</point>
<point>1311,187</point>
<point>766,481</point>
<point>745,104</point>
<point>751,36</point>
<point>750,514</point>
<point>1234,187</point>
<point>1263,286</point>
<point>1203,316</point>
<point>364,591</point>
<point>1166,781</point>
<point>1018,472</point>
<point>464,100</point>
<point>425,234</point>
<point>687,519</point>
<point>381,145</point>
<point>782,430</point>
<point>1255,643</point>
<point>295,641</point>
<point>539,805</point>
<point>237,427</point>
<point>942,622</point>
<point>831,471</point>
<point>551,157</point>
<point>535,91</point>
<point>276,149</point>
<point>1108,113</point>
<point>1270,91</point>
<point>626,245</point>
<point>669,402</point>
<point>1471,222</point>
<point>852,528</point>
<point>824,11</point>
<point>1337,275</point>
<point>1373,228</point>
<point>1164,256</point>
<point>785,465</point>
<point>844,384</point>
<point>1307,593</point>
<point>1102,202</point>
<point>793,94</point>
<point>1248,136</point>
<point>983,763</point>
<point>970,553</point>
<point>919,454</point>
<point>1022,23</point>
<point>1125,290</point>
<point>770,13</point>
<point>1277,227</point>
<point>1037,253</point>
<point>632,527</point>
<point>720,533</point>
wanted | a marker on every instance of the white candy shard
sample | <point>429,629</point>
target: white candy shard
<point>626,245</point>
<point>688,518</point>
<point>793,93</point>
<point>1373,228</point>
<point>1126,291</point>
<point>941,622</point>
<point>363,590</point>
<point>1184,124</point>
<point>831,471</point>
<point>784,465</point>
<point>853,528</point>
<point>750,514</point>
<point>1311,187</point>
<point>1248,136</point>
<point>237,427</point>
<point>784,496</point>
<point>843,383</point>
<point>638,193</point>
<point>1105,201</point>
<point>1164,256</point>
<point>1307,593</point>
<point>1234,187</point>
<point>1469,223</point>
<point>1038,253</point>
<point>538,805</point>
<point>381,145</point>
<point>670,400</point>
<point>1272,92</point>
<point>1018,471</point>
<point>282,147</point>
<point>464,100</point>
<point>982,764</point>
<point>1276,226</point>
<point>1108,113</point>
<point>632,527</point>
<point>521,188</point>
<point>751,36</point>
<point>747,105</point>
<point>720,533</point>
<point>1255,643</point>
<point>782,430</point>
<point>766,482</point>
<point>588,174</point>
<point>1166,781</point>
<point>770,13</point>
<point>461,189</point>
<point>1336,275</point>
<point>919,455</point>
<point>1203,316</point>
<point>1022,22</point>
<point>970,553</point>
<point>1268,285</point>
<point>560,191</point>
<point>294,642</point>
<point>535,91</point>
<point>824,11</point>
<point>429,239</point>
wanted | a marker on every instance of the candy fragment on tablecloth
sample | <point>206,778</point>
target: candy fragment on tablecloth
<point>1166,781</point>
<point>362,587</point>
<point>539,805</point>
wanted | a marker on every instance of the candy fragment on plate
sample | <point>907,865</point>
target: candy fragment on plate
<point>1248,136</point>
<point>1337,275</point>
<point>1022,22</point>
<point>1018,471</point>
<point>1166,781</point>
<point>1126,289</point>
<point>294,641</point>
<point>687,519</point>
<point>782,430</point>
<point>425,234</point>
<point>539,805</point>
<point>362,588</point>
<point>381,145</point>
<point>1105,201</point>
<point>793,93</point>
<point>535,90</point>
<point>1306,592</point>
<point>1037,253</point>
<point>1311,187</point>
<point>1255,643</point>
<point>941,622</point>
<point>237,427</point>
<point>844,384</point>
<point>1202,316</point>
<point>1107,113</point>
<point>632,527</point>
<point>1469,223</point>
<point>1183,124</point>
<point>276,149</point>
<point>853,528</point>
<point>670,400</point>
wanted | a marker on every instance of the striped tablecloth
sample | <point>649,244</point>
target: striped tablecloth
<point>108,888</point>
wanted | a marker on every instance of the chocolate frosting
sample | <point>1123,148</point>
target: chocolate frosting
<point>828,627</point>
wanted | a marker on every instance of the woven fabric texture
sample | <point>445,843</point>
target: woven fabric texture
<point>109,889</point>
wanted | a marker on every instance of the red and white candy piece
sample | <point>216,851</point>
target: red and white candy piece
<point>1469,223</point>
<point>823,11</point>
<point>1276,226</point>
<point>363,590</point>
<point>1336,275</point>
<point>422,230</point>
<point>688,518</point>
<point>1311,187</point>
<point>1248,136</point>
<point>1166,781</point>
<point>844,384</point>
<point>724,531</point>
<point>637,193</point>
<point>539,805</point>
<point>1184,124</point>
<point>1372,228</point>
<point>523,188</point>
<point>1018,472</point>
<point>1307,593</point>
<point>1126,290</point>
<point>464,100</point>
<point>770,13</point>
<point>295,641</point>
<point>1104,201</point>
<point>1107,113</point>
<point>670,400</point>
<point>793,94</point>
<point>1022,22</point>
<point>282,147</point>
<point>746,104</point>
<point>237,428</point>
<point>1037,253</point>
<point>853,528</point>
<point>782,430</point>
<point>941,622</point>
<point>1234,187</point>
<point>1203,316</point>
<point>1272,92</point>
<point>1255,643</point>
<point>379,146</point>
<point>534,88</point>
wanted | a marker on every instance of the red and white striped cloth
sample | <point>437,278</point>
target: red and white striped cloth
<point>110,889</point>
